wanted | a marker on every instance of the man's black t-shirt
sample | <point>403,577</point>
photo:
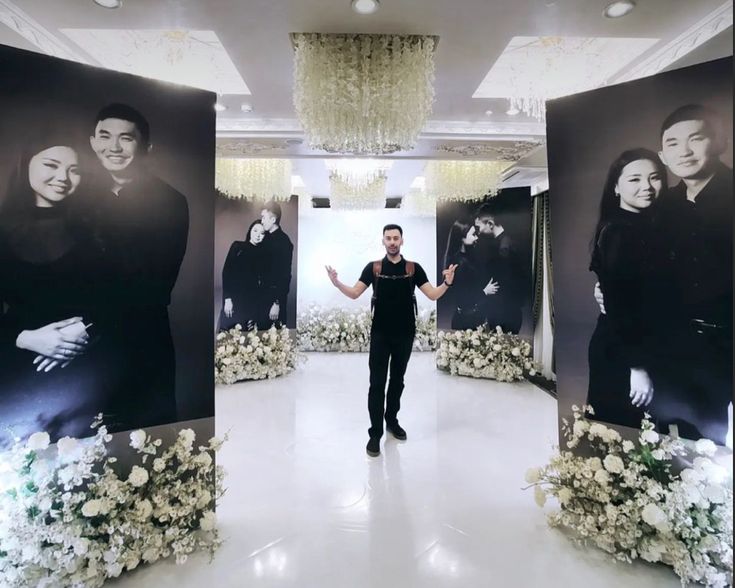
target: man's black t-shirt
<point>394,305</point>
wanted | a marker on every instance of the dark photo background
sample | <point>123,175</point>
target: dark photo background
<point>38,91</point>
<point>586,132</point>
<point>515,206</point>
<point>232,219</point>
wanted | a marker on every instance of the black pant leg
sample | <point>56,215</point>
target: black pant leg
<point>378,362</point>
<point>401,347</point>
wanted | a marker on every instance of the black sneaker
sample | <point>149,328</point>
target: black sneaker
<point>396,430</point>
<point>373,447</point>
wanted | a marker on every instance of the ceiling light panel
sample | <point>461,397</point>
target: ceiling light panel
<point>192,58</point>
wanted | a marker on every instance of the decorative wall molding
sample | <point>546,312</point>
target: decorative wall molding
<point>712,24</point>
<point>245,126</point>
<point>235,127</point>
<point>36,34</point>
<point>512,152</point>
<point>249,148</point>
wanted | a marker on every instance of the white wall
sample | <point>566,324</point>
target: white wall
<point>347,240</point>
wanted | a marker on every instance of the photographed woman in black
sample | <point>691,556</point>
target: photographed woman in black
<point>243,285</point>
<point>624,259</point>
<point>467,291</point>
<point>55,366</point>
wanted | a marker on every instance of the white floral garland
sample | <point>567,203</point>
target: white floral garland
<point>485,354</point>
<point>341,330</point>
<point>626,500</point>
<point>363,93</point>
<point>253,355</point>
<point>67,518</point>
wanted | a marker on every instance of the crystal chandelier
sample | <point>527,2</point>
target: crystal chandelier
<point>342,196</point>
<point>463,180</point>
<point>417,202</point>
<point>254,179</point>
<point>363,94</point>
<point>357,183</point>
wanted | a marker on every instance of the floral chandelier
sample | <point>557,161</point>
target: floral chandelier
<point>363,94</point>
<point>463,180</point>
<point>417,202</point>
<point>368,196</point>
<point>254,179</point>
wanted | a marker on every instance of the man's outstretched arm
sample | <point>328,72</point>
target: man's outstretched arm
<point>434,293</point>
<point>353,292</point>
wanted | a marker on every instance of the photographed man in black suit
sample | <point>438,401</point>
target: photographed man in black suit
<point>499,257</point>
<point>694,384</point>
<point>144,223</point>
<point>279,250</point>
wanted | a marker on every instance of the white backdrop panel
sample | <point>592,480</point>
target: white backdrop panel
<point>347,240</point>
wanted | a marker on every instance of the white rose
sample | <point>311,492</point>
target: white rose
<point>145,508</point>
<point>204,499</point>
<point>715,494</point>
<point>539,496</point>
<point>208,522</point>
<point>649,436</point>
<point>158,465</point>
<point>150,555</point>
<point>564,495</point>
<point>690,476</point>
<point>91,508</point>
<point>653,515</point>
<point>594,463</point>
<point>658,454</point>
<point>80,546</point>
<point>66,446</point>
<point>137,439</point>
<point>515,352</point>
<point>602,477</point>
<point>188,436</point>
<point>613,464</point>
<point>705,447</point>
<point>38,441</point>
<point>580,428</point>
<point>533,475</point>
<point>138,476</point>
<point>203,459</point>
<point>628,446</point>
<point>496,347</point>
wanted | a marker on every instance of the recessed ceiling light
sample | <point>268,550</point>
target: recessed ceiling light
<point>618,8</point>
<point>245,107</point>
<point>365,6</point>
<point>512,111</point>
<point>488,112</point>
<point>219,107</point>
<point>109,3</point>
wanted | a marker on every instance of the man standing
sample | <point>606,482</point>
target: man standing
<point>280,254</point>
<point>393,329</point>
<point>694,380</point>
<point>144,224</point>
<point>500,259</point>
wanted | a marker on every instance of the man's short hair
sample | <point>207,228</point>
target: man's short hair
<point>693,112</point>
<point>485,211</point>
<point>128,113</point>
<point>393,227</point>
<point>275,209</point>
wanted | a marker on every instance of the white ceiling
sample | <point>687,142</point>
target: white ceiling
<point>472,36</point>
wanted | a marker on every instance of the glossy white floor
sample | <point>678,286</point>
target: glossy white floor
<point>307,508</point>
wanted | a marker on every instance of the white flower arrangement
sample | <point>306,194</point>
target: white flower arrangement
<point>252,355</point>
<point>68,518</point>
<point>342,330</point>
<point>626,500</point>
<point>483,353</point>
